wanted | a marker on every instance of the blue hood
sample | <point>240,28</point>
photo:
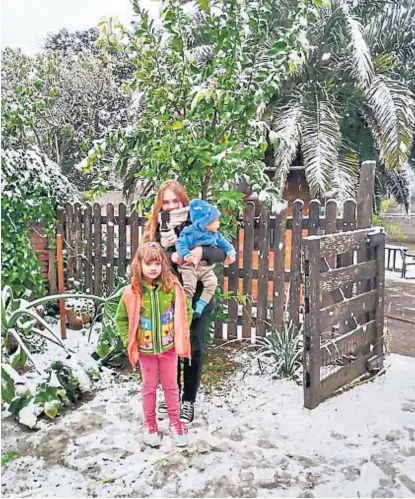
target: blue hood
<point>202,213</point>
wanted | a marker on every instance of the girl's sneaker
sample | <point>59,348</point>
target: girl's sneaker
<point>187,412</point>
<point>151,435</point>
<point>179,433</point>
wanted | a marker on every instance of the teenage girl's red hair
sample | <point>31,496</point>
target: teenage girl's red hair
<point>151,226</point>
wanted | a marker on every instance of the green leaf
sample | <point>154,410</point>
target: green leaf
<point>19,358</point>
<point>279,46</point>
<point>7,386</point>
<point>9,457</point>
<point>204,5</point>
<point>322,3</point>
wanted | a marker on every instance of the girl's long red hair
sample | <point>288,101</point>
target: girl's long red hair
<point>150,228</point>
<point>147,253</point>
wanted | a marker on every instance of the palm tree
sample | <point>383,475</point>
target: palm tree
<point>352,100</point>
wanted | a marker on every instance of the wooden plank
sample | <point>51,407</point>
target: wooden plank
<point>331,228</point>
<point>335,279</point>
<point>61,284</point>
<point>233,286</point>
<point>70,263</point>
<point>278,295</point>
<point>134,233</point>
<point>343,376</point>
<point>336,244</point>
<point>88,247</point>
<point>365,194</point>
<point>97,250</point>
<point>353,343</point>
<point>380,305</point>
<point>61,230</point>
<point>346,259</point>
<point>355,306</point>
<point>312,353</point>
<point>262,299</point>
<point>122,239</point>
<point>364,211</point>
<point>248,251</point>
<point>52,276</point>
<point>109,270</point>
<point>314,217</point>
<point>295,284</point>
<point>78,241</point>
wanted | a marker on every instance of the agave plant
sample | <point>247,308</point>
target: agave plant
<point>278,353</point>
<point>352,99</point>
<point>61,384</point>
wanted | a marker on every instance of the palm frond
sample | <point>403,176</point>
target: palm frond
<point>363,65</point>
<point>285,138</point>
<point>390,115</point>
<point>392,31</point>
<point>393,183</point>
<point>345,174</point>
<point>321,143</point>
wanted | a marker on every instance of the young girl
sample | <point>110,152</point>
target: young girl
<point>153,318</point>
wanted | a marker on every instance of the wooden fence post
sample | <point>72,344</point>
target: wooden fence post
<point>312,352</point>
<point>248,252</point>
<point>97,250</point>
<point>233,287</point>
<point>278,292</point>
<point>380,304</point>
<point>262,294</point>
<point>109,267</point>
<point>295,274</point>
<point>78,241</point>
<point>88,247</point>
<point>364,213</point>
<point>61,285</point>
<point>365,194</point>
<point>122,239</point>
<point>69,236</point>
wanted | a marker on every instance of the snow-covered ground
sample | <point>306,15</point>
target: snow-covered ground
<point>253,438</point>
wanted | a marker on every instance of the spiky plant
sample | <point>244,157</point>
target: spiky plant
<point>351,100</point>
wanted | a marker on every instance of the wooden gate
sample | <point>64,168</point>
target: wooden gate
<point>344,310</point>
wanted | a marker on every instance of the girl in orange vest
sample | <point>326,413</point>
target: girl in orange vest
<point>153,318</point>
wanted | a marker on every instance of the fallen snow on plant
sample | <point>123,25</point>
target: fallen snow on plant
<point>253,438</point>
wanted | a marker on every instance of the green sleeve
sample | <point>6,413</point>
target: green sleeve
<point>121,319</point>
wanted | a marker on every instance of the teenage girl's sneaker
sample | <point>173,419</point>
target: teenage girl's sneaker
<point>151,435</point>
<point>179,433</point>
<point>162,410</point>
<point>187,412</point>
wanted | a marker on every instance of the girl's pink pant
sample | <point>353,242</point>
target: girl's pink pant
<point>153,367</point>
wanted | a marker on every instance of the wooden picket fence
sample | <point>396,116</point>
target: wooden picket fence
<point>99,245</point>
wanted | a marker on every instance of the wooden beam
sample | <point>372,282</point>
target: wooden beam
<point>344,276</point>
<point>365,194</point>
<point>343,376</point>
<point>355,306</point>
<point>336,244</point>
<point>353,343</point>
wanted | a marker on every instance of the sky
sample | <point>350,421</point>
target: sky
<point>25,23</point>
